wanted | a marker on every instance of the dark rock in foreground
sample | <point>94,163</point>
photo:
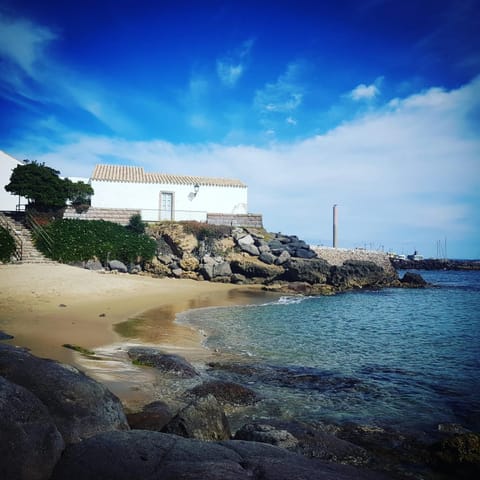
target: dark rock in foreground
<point>80,407</point>
<point>30,444</point>
<point>166,363</point>
<point>141,455</point>
<point>154,416</point>
<point>204,419</point>
<point>304,439</point>
<point>458,455</point>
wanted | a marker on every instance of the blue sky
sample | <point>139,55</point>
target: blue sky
<point>373,105</point>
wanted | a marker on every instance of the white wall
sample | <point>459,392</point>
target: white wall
<point>7,200</point>
<point>146,197</point>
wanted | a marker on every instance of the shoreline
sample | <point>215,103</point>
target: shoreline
<point>47,305</point>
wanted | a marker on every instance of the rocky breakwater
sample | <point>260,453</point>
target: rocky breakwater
<point>254,256</point>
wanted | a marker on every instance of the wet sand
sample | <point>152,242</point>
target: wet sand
<point>45,306</point>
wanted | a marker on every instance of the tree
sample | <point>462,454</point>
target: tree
<point>79,193</point>
<point>44,188</point>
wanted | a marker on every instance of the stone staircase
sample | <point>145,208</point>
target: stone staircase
<point>26,250</point>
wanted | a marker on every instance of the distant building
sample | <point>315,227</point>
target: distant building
<point>166,197</point>
<point>8,201</point>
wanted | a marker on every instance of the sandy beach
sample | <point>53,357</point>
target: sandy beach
<point>47,305</point>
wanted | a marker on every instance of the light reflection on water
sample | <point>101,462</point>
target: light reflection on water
<point>414,354</point>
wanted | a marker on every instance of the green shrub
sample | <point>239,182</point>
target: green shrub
<point>205,231</point>
<point>7,245</point>
<point>81,240</point>
<point>136,225</point>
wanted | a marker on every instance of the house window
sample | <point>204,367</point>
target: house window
<point>166,206</point>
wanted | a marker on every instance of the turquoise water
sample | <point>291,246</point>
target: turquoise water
<point>398,357</point>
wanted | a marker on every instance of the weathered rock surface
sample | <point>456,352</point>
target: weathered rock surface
<point>459,455</point>
<point>413,280</point>
<point>30,444</point>
<point>310,271</point>
<point>117,265</point>
<point>142,455</point>
<point>226,392</point>
<point>80,407</point>
<point>154,416</point>
<point>167,363</point>
<point>357,274</point>
<point>305,439</point>
<point>93,265</point>
<point>203,419</point>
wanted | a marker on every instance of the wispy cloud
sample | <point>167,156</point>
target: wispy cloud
<point>232,66</point>
<point>408,170</point>
<point>283,96</point>
<point>24,43</point>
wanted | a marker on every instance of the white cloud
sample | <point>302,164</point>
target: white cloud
<point>291,121</point>
<point>231,67</point>
<point>364,92</point>
<point>407,174</point>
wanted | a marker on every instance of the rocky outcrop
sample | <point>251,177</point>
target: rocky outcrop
<point>250,255</point>
<point>138,454</point>
<point>166,363</point>
<point>414,280</point>
<point>5,336</point>
<point>30,444</point>
<point>203,419</point>
<point>79,406</point>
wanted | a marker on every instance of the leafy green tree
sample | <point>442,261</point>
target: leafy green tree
<point>44,188</point>
<point>79,193</point>
<point>136,225</point>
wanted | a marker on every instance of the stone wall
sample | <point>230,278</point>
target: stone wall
<point>117,215</point>
<point>337,256</point>
<point>241,220</point>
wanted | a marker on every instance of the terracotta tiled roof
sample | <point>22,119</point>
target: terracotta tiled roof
<point>121,173</point>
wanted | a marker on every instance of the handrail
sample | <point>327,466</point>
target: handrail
<point>4,222</point>
<point>40,231</point>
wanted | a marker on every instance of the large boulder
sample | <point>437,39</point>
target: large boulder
<point>80,406</point>
<point>203,419</point>
<point>30,444</point>
<point>311,271</point>
<point>154,416</point>
<point>252,267</point>
<point>226,392</point>
<point>140,455</point>
<point>412,279</point>
<point>166,363</point>
<point>118,266</point>
<point>357,274</point>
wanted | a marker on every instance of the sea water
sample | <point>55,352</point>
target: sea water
<point>398,357</point>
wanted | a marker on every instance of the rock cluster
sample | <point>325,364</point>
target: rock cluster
<point>56,423</point>
<point>249,255</point>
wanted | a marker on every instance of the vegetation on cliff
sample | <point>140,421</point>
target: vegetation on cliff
<point>80,240</point>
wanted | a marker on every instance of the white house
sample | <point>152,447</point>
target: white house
<point>8,202</point>
<point>161,196</point>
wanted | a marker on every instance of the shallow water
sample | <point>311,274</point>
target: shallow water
<point>400,357</point>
